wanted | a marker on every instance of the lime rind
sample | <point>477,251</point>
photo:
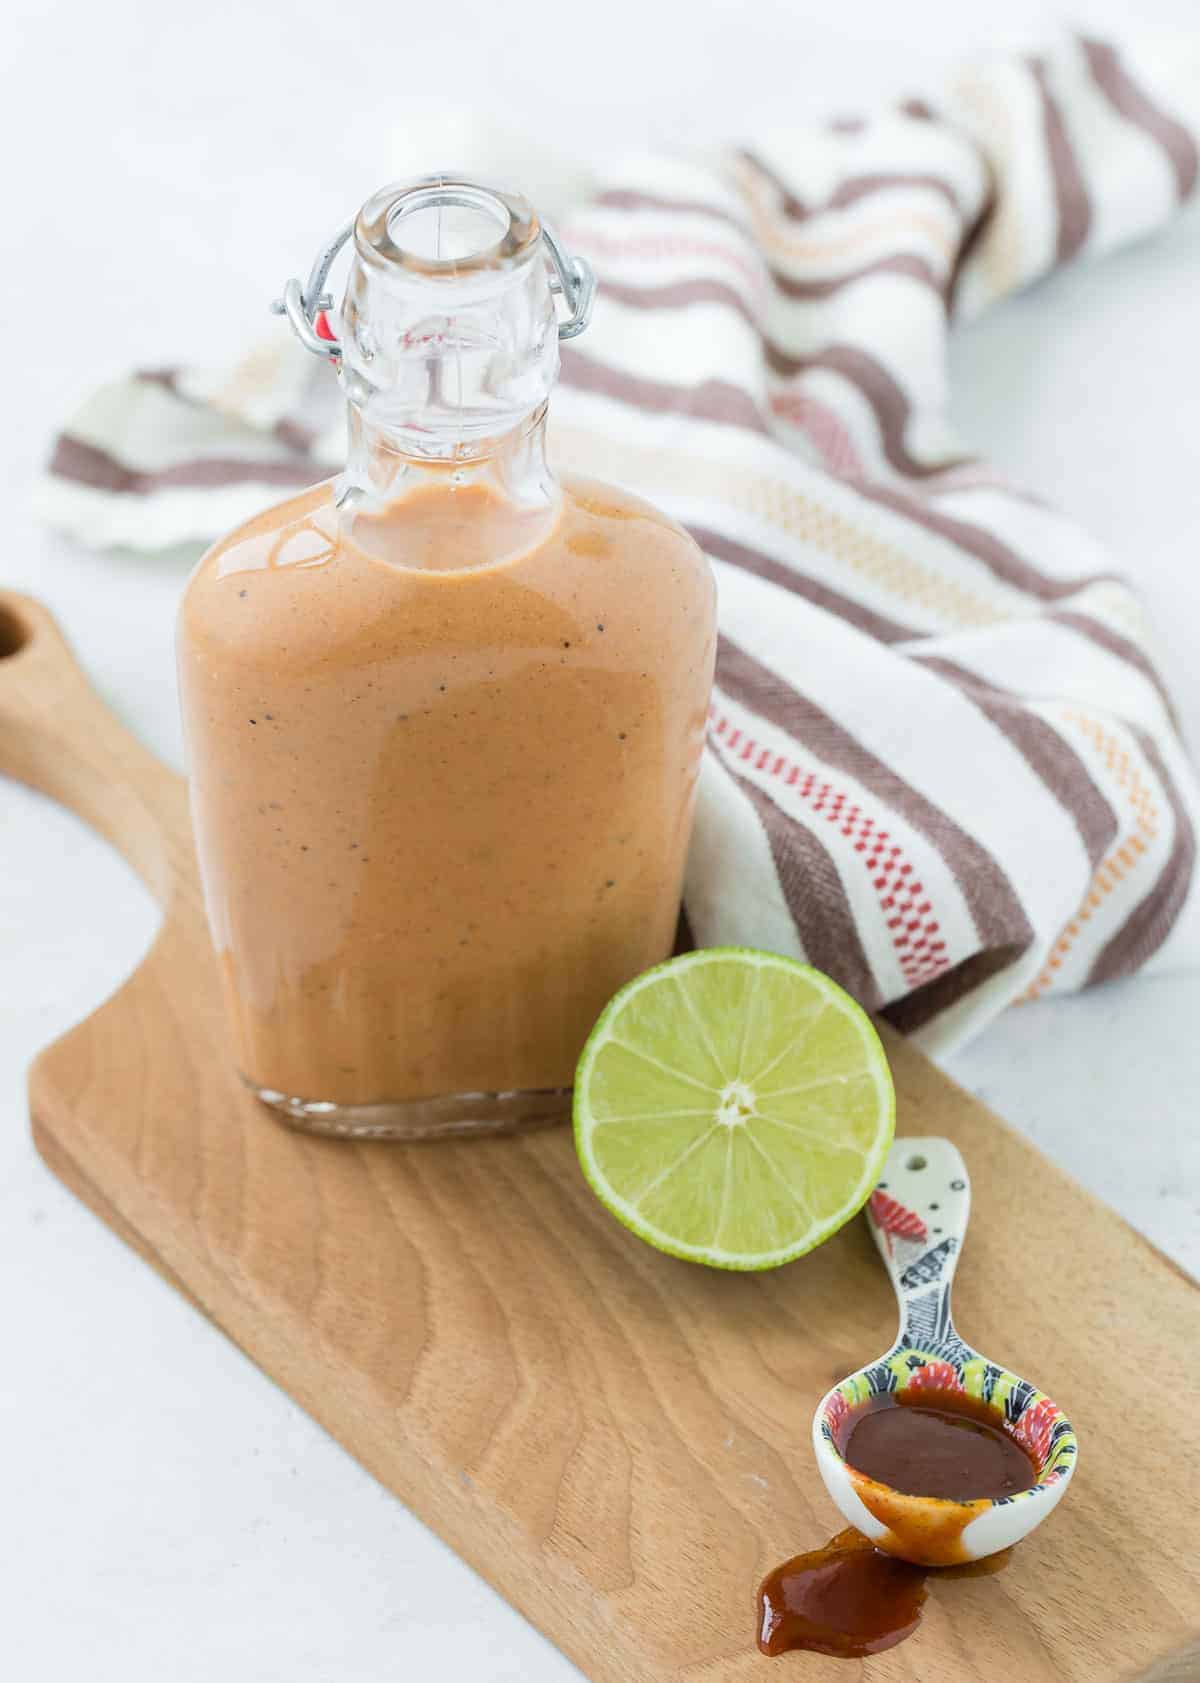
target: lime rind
<point>678,1104</point>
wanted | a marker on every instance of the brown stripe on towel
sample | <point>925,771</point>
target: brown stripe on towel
<point>298,437</point>
<point>85,464</point>
<point>788,577</point>
<point>628,198</point>
<point>901,263</point>
<point>985,546</point>
<point>711,400</point>
<point>680,295</point>
<point>167,378</point>
<point>1049,756</point>
<point>916,1010</point>
<point>1071,199</point>
<point>856,187</point>
<point>294,435</point>
<point>1123,647</point>
<point>674,295</point>
<point>851,189</point>
<point>1136,106</point>
<point>885,395</point>
<point>970,243</point>
<point>789,204</point>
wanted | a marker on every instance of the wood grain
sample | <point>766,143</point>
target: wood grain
<point>616,1440</point>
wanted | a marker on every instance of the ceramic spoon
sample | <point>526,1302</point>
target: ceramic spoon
<point>918,1217</point>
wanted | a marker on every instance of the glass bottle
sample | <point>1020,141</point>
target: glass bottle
<point>444,713</point>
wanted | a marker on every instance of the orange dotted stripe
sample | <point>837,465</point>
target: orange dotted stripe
<point>902,899</point>
<point>1113,869</point>
<point>823,241</point>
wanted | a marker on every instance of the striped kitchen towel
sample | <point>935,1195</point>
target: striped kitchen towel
<point>941,764</point>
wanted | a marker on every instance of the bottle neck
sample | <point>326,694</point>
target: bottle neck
<point>449,338</point>
<point>511,465</point>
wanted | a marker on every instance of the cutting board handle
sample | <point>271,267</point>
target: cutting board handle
<point>58,736</point>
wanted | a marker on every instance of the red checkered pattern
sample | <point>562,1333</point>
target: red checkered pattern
<point>908,913</point>
<point>824,431</point>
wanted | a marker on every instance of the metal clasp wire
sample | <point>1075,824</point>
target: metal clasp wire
<point>575,280</point>
<point>572,279</point>
<point>302,304</point>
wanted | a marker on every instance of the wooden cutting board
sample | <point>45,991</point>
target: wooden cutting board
<point>618,1441</point>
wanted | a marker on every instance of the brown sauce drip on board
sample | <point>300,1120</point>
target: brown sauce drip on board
<point>850,1598</point>
<point>846,1599</point>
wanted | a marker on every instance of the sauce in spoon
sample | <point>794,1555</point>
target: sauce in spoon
<point>935,1443</point>
<point>851,1599</point>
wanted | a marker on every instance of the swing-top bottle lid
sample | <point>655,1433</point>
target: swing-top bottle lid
<point>448,326</point>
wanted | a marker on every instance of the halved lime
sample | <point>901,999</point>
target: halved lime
<point>733,1107</point>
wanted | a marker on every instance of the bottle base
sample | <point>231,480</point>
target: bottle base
<point>447,1116</point>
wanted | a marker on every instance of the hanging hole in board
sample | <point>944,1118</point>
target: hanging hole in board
<point>14,633</point>
<point>915,1163</point>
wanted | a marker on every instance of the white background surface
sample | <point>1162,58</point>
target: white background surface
<point>168,1515</point>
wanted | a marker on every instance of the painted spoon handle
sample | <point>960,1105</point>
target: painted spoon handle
<point>918,1219</point>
